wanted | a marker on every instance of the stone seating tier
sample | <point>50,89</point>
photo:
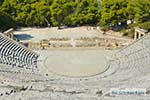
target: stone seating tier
<point>16,55</point>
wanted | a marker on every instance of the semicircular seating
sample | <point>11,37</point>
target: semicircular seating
<point>16,55</point>
<point>134,60</point>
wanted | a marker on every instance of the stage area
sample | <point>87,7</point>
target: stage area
<point>76,62</point>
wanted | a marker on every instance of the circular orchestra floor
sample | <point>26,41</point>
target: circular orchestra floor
<point>77,62</point>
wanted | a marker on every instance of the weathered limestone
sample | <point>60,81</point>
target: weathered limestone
<point>139,33</point>
<point>9,33</point>
<point>130,68</point>
<point>16,55</point>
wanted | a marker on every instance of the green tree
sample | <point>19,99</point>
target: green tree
<point>85,12</point>
<point>114,13</point>
<point>41,12</point>
<point>142,11</point>
<point>107,13</point>
<point>59,10</point>
<point>138,10</point>
<point>130,10</point>
<point>6,21</point>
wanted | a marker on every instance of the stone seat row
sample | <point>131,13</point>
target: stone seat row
<point>14,54</point>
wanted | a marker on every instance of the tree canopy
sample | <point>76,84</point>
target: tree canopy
<point>114,12</point>
<point>107,13</point>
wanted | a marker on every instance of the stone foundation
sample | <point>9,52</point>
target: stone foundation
<point>105,43</point>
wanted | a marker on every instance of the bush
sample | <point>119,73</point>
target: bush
<point>6,22</point>
<point>105,28</point>
<point>145,26</point>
